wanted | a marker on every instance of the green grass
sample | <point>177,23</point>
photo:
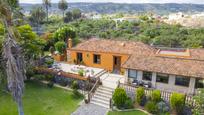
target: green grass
<point>134,112</point>
<point>40,100</point>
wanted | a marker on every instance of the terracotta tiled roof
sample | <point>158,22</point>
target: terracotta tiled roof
<point>144,57</point>
<point>166,65</point>
<point>113,46</point>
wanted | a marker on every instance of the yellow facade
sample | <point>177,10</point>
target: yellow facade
<point>106,60</point>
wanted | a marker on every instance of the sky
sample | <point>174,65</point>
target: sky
<point>122,1</point>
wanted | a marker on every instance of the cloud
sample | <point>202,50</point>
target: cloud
<point>123,1</point>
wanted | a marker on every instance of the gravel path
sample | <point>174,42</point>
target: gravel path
<point>90,109</point>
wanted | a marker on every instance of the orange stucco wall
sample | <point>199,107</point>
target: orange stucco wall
<point>106,59</point>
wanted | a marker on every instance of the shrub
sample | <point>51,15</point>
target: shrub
<point>151,107</point>
<point>156,96</point>
<point>128,103</point>
<point>63,83</point>
<point>81,72</point>
<point>39,77</point>
<point>119,97</point>
<point>140,94</point>
<point>75,88</point>
<point>30,72</point>
<point>163,107</point>
<point>49,77</point>
<point>50,84</point>
<point>74,85</point>
<point>60,47</point>
<point>49,61</point>
<point>76,93</point>
<point>177,102</point>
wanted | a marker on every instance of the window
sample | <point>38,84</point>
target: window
<point>79,57</point>
<point>199,83</point>
<point>147,76</point>
<point>132,73</point>
<point>182,81</point>
<point>97,59</point>
<point>162,78</point>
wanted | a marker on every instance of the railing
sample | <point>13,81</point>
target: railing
<point>91,92</point>
<point>165,95</point>
<point>99,74</point>
<point>111,101</point>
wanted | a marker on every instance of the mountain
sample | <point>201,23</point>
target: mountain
<point>108,8</point>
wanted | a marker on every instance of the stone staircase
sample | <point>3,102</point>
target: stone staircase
<point>102,96</point>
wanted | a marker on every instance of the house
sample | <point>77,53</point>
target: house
<point>168,69</point>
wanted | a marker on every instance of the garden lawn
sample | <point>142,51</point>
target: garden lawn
<point>38,99</point>
<point>134,112</point>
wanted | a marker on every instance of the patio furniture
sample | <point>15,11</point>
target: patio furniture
<point>147,85</point>
<point>140,83</point>
<point>135,82</point>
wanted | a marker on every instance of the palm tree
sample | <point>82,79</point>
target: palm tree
<point>37,15</point>
<point>14,61</point>
<point>47,4</point>
<point>63,5</point>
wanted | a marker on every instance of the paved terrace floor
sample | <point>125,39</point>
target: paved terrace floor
<point>71,68</point>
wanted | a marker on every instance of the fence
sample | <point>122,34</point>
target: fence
<point>131,90</point>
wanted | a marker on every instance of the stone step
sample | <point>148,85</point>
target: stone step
<point>102,97</point>
<point>100,104</point>
<point>104,91</point>
<point>106,88</point>
<point>100,101</point>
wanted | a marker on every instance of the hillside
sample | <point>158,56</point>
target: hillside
<point>130,8</point>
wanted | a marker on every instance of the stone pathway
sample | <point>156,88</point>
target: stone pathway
<point>90,109</point>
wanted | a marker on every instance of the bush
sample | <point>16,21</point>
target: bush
<point>156,96</point>
<point>75,87</point>
<point>63,83</point>
<point>60,47</point>
<point>128,104</point>
<point>163,107</point>
<point>81,72</point>
<point>151,107</point>
<point>177,102</point>
<point>140,95</point>
<point>39,77</point>
<point>49,77</point>
<point>50,84</point>
<point>119,97</point>
<point>30,72</point>
<point>49,61</point>
<point>76,93</point>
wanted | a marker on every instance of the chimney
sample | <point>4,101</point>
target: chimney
<point>70,43</point>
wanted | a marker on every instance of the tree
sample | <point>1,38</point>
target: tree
<point>12,55</point>
<point>32,45</point>
<point>64,33</point>
<point>60,46</point>
<point>47,4</point>
<point>199,98</point>
<point>63,5</point>
<point>68,17</point>
<point>37,15</point>
<point>76,13</point>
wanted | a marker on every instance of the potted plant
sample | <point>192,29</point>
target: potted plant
<point>60,47</point>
